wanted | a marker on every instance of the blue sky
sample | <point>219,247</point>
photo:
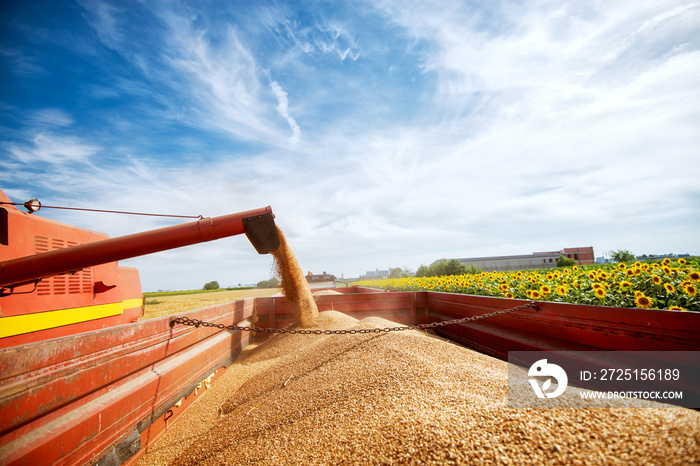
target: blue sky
<point>382,133</point>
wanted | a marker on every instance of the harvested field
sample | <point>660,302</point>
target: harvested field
<point>167,305</point>
<point>401,398</point>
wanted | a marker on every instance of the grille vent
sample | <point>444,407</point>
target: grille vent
<point>80,282</point>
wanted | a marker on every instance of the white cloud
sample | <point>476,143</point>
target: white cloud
<point>283,110</point>
<point>53,149</point>
<point>52,117</point>
<point>324,37</point>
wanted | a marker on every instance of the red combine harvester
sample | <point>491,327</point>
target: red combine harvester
<point>77,371</point>
<point>58,279</point>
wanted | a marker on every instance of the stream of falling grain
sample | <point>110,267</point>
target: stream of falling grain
<point>294,285</point>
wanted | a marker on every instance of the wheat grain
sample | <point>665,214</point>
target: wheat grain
<point>294,285</point>
<point>402,398</point>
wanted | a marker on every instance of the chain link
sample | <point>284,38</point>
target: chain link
<point>197,323</point>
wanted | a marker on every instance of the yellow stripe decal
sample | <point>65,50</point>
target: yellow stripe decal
<point>17,325</point>
<point>131,303</point>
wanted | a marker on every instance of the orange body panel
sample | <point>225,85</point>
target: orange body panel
<point>83,295</point>
<point>58,280</point>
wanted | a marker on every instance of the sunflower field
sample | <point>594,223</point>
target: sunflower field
<point>652,285</point>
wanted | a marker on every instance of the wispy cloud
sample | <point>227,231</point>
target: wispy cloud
<point>53,149</point>
<point>51,117</point>
<point>206,71</point>
<point>283,110</point>
<point>323,37</point>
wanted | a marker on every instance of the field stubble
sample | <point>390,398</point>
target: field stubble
<point>169,305</point>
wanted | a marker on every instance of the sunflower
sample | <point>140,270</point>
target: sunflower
<point>666,262</point>
<point>682,262</point>
<point>545,290</point>
<point>656,279</point>
<point>509,295</point>
<point>591,275</point>
<point>643,301</point>
<point>600,292</point>
<point>561,290</point>
<point>534,294</point>
<point>625,285</point>
<point>669,288</point>
<point>695,276</point>
<point>676,308</point>
<point>667,270</point>
<point>691,290</point>
<point>622,266</point>
<point>630,272</point>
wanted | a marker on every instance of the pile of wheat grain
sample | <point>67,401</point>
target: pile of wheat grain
<point>402,398</point>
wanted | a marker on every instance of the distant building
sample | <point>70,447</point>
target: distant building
<point>375,274</point>
<point>582,256</point>
<point>536,260</point>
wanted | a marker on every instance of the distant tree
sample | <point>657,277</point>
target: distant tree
<point>398,272</point>
<point>472,270</point>
<point>564,261</point>
<point>443,267</point>
<point>271,283</point>
<point>212,285</point>
<point>622,255</point>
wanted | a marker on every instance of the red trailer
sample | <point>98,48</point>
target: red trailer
<point>105,395</point>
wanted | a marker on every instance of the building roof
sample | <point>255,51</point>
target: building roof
<point>519,256</point>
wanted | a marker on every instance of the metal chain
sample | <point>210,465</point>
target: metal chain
<point>198,323</point>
